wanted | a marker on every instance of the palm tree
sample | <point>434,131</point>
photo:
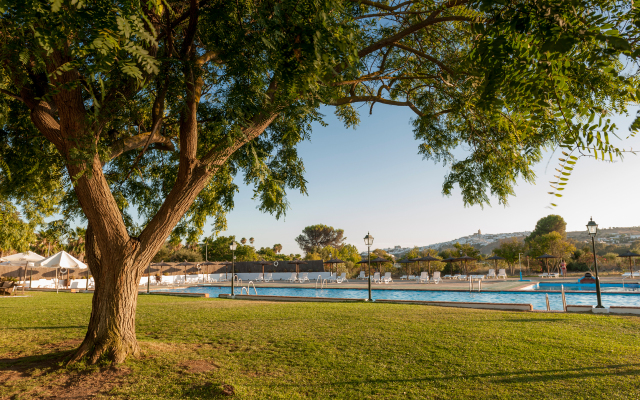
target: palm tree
<point>277,248</point>
<point>75,243</point>
<point>243,240</point>
<point>251,240</point>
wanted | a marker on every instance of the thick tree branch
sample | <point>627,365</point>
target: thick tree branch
<point>208,56</point>
<point>192,28</point>
<point>15,96</point>
<point>375,99</point>
<point>425,55</point>
<point>180,20</point>
<point>381,6</point>
<point>138,141</point>
<point>431,20</point>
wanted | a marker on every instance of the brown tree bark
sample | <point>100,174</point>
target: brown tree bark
<point>111,332</point>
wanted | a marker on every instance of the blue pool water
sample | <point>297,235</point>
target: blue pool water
<point>537,299</point>
<point>604,287</point>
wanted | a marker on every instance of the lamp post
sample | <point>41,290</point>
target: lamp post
<point>368,240</point>
<point>233,247</point>
<point>592,228</point>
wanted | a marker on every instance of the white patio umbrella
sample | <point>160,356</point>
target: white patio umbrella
<point>64,260</point>
<point>22,259</point>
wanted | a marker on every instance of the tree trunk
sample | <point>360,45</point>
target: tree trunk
<point>111,332</point>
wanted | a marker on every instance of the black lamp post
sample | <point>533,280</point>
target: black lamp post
<point>368,240</point>
<point>592,228</point>
<point>233,247</point>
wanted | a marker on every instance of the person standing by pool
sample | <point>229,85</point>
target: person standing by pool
<point>563,268</point>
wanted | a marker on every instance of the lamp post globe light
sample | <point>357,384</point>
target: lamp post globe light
<point>592,228</point>
<point>233,248</point>
<point>368,240</point>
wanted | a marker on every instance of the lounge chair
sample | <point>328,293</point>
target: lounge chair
<point>456,276</point>
<point>7,288</point>
<point>260,278</point>
<point>387,277</point>
<point>361,276</point>
<point>376,277</point>
<point>554,275</point>
<point>627,275</point>
<point>304,277</point>
<point>447,277</point>
<point>222,278</point>
<point>636,274</point>
<point>424,277</point>
<point>544,275</point>
<point>491,274</point>
<point>268,277</point>
<point>413,278</point>
<point>502,273</point>
<point>462,277</point>
<point>436,277</point>
<point>342,278</point>
<point>403,277</point>
<point>292,278</point>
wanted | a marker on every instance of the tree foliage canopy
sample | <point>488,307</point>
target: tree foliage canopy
<point>316,237</point>
<point>548,224</point>
<point>148,86</point>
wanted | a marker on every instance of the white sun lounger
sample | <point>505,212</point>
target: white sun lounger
<point>376,277</point>
<point>491,274</point>
<point>447,277</point>
<point>403,277</point>
<point>544,275</point>
<point>361,276</point>
<point>268,277</point>
<point>462,277</point>
<point>502,273</point>
<point>436,277</point>
<point>304,277</point>
<point>292,278</point>
<point>387,277</point>
<point>342,278</point>
<point>424,277</point>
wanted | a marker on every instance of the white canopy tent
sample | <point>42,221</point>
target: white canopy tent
<point>63,260</point>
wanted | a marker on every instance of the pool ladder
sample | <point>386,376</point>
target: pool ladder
<point>242,291</point>
<point>471,285</point>
<point>322,282</point>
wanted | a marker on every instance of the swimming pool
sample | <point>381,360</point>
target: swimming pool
<point>536,299</point>
<point>604,287</point>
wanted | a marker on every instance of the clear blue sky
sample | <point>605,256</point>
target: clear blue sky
<point>372,179</point>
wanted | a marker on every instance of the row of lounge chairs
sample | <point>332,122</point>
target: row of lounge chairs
<point>549,275</point>
<point>424,277</point>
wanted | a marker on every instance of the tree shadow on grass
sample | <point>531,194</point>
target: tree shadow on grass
<point>524,376</point>
<point>45,327</point>
<point>23,367</point>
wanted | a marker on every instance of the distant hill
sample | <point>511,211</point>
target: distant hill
<point>486,243</point>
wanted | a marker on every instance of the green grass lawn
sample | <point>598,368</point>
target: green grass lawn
<point>210,348</point>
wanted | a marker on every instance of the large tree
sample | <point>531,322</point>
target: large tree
<point>548,224</point>
<point>510,250</point>
<point>153,107</point>
<point>316,237</point>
